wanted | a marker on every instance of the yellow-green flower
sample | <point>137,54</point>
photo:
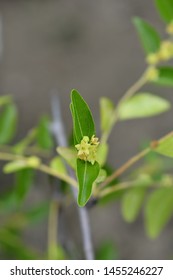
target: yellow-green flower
<point>153,58</point>
<point>87,149</point>
<point>164,53</point>
<point>166,50</point>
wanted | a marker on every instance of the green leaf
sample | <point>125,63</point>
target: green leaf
<point>107,109</point>
<point>107,251</point>
<point>131,203</point>
<point>82,117</point>
<point>58,164</point>
<point>14,166</point>
<point>149,37</point>
<point>87,174</point>
<point>165,9</point>
<point>158,211</point>
<point>24,180</point>
<point>19,164</point>
<point>133,198</point>
<point>8,122</point>
<point>164,147</point>
<point>73,117</point>
<point>44,137</point>
<point>102,176</point>
<point>102,153</point>
<point>143,105</point>
<point>165,77</point>
<point>69,154</point>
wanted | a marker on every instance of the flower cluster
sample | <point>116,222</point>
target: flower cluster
<point>87,149</point>
<point>164,53</point>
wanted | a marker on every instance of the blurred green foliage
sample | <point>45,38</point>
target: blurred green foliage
<point>147,189</point>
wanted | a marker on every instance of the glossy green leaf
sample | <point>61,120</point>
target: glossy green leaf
<point>165,9</point>
<point>165,146</point>
<point>149,37</point>
<point>143,105</point>
<point>69,154</point>
<point>8,122</point>
<point>73,117</point>
<point>158,211</point>
<point>86,174</point>
<point>23,182</point>
<point>107,109</point>
<point>131,203</point>
<point>44,136</point>
<point>165,77</point>
<point>82,117</point>
<point>58,164</point>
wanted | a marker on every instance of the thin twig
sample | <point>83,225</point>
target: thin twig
<point>66,178</point>
<point>134,88</point>
<point>133,160</point>
<point>124,167</point>
<point>42,167</point>
<point>61,140</point>
<point>131,184</point>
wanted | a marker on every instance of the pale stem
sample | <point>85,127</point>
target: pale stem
<point>133,160</point>
<point>59,132</point>
<point>124,167</point>
<point>42,167</point>
<point>124,186</point>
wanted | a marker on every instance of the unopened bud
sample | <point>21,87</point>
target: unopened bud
<point>152,73</point>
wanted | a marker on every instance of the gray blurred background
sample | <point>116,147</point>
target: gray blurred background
<point>91,46</point>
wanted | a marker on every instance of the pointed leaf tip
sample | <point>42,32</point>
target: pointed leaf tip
<point>150,39</point>
<point>82,118</point>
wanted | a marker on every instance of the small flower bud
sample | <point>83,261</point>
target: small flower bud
<point>152,58</point>
<point>166,50</point>
<point>152,73</point>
